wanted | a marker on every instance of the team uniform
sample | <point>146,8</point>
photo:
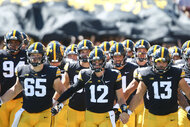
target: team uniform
<point>8,64</point>
<point>162,91</point>
<point>100,94</point>
<point>127,77</point>
<point>76,109</point>
<point>38,92</point>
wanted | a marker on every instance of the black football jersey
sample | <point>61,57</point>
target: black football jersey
<point>100,91</point>
<point>37,87</point>
<point>73,69</point>
<point>127,77</point>
<point>8,65</point>
<point>162,89</point>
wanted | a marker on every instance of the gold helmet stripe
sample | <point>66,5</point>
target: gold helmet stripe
<point>117,47</point>
<point>96,51</point>
<point>127,43</point>
<point>142,42</point>
<point>14,33</point>
<point>188,44</point>
<point>155,47</point>
<point>105,47</point>
<point>162,50</point>
<point>54,50</point>
<point>84,43</point>
<point>35,47</point>
<point>72,48</point>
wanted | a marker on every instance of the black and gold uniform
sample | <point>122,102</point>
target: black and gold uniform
<point>8,64</point>
<point>38,92</point>
<point>38,88</point>
<point>100,93</point>
<point>162,91</point>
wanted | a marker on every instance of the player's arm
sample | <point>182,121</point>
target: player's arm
<point>66,80</point>
<point>133,85</point>
<point>12,92</point>
<point>131,88</point>
<point>182,101</point>
<point>121,99</point>
<point>141,89</point>
<point>184,87</point>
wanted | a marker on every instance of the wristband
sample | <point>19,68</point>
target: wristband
<point>187,108</point>
<point>123,108</point>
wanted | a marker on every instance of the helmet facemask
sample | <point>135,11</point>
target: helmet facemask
<point>97,64</point>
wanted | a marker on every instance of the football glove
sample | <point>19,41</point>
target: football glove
<point>56,109</point>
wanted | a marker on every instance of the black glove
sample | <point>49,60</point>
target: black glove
<point>56,109</point>
<point>117,113</point>
<point>188,114</point>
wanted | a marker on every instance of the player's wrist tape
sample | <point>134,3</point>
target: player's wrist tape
<point>187,108</point>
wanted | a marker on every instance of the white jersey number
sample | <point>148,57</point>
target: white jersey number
<point>101,99</point>
<point>34,87</point>
<point>164,84</point>
<point>8,67</point>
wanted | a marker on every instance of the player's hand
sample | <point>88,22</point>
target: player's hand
<point>117,113</point>
<point>124,117</point>
<point>188,114</point>
<point>56,108</point>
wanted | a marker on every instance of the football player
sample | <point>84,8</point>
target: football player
<point>10,58</point>
<point>76,108</point>
<point>55,54</point>
<point>118,57</point>
<point>38,81</point>
<point>162,82</point>
<point>100,85</point>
